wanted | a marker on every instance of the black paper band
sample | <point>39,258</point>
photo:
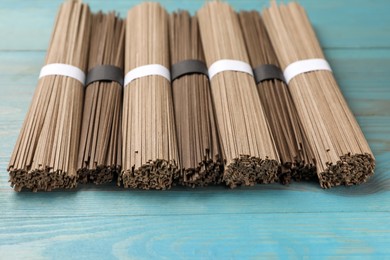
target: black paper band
<point>105,73</point>
<point>268,72</point>
<point>186,67</point>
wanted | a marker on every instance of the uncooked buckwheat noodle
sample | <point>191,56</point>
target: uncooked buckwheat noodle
<point>295,154</point>
<point>99,157</point>
<point>246,141</point>
<point>195,124</point>
<point>342,154</point>
<point>45,154</point>
<point>150,154</point>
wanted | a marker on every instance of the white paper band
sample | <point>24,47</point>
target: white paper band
<point>303,66</point>
<point>229,65</point>
<point>63,70</point>
<point>147,70</point>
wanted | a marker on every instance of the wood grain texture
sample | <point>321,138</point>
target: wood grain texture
<point>270,221</point>
<point>199,236</point>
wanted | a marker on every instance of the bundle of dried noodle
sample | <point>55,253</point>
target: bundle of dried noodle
<point>99,157</point>
<point>246,141</point>
<point>198,147</point>
<point>342,154</point>
<point>45,154</point>
<point>150,154</point>
<point>295,154</point>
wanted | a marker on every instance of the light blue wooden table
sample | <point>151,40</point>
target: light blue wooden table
<point>272,221</point>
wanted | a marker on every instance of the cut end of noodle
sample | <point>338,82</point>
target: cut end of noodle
<point>100,175</point>
<point>247,171</point>
<point>349,170</point>
<point>302,171</point>
<point>41,180</point>
<point>207,173</point>
<point>156,174</point>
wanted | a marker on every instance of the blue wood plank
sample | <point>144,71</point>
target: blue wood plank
<point>217,236</point>
<point>265,199</point>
